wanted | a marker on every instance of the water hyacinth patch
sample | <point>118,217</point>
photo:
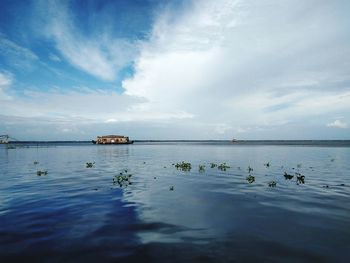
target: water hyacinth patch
<point>213,165</point>
<point>300,178</point>
<point>250,169</point>
<point>183,166</point>
<point>90,164</point>
<point>272,184</point>
<point>288,176</point>
<point>40,173</point>
<point>267,164</point>
<point>250,179</point>
<point>223,167</point>
<point>122,179</point>
<point>201,168</point>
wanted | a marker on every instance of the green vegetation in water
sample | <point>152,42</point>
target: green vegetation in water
<point>250,179</point>
<point>201,168</point>
<point>250,169</point>
<point>288,176</point>
<point>171,188</point>
<point>272,184</point>
<point>40,173</point>
<point>122,179</point>
<point>183,166</point>
<point>213,165</point>
<point>267,164</point>
<point>300,178</point>
<point>90,164</point>
<point>223,166</point>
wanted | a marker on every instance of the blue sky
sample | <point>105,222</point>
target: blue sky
<point>175,69</point>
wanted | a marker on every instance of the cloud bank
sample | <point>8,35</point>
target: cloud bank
<point>217,70</point>
<point>338,124</point>
<point>247,65</point>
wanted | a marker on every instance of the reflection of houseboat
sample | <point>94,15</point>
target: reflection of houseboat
<point>112,139</point>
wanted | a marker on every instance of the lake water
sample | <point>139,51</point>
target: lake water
<point>162,214</point>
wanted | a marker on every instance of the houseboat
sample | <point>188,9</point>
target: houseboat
<point>112,139</point>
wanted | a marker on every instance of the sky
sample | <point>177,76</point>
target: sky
<point>175,69</point>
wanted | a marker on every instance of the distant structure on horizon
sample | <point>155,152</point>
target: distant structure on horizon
<point>4,139</point>
<point>112,139</point>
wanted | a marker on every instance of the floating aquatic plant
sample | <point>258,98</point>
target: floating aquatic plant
<point>223,166</point>
<point>122,179</point>
<point>300,178</point>
<point>171,188</point>
<point>250,169</point>
<point>90,164</point>
<point>250,179</point>
<point>40,173</point>
<point>201,168</point>
<point>213,165</point>
<point>267,164</point>
<point>288,176</point>
<point>272,184</point>
<point>183,166</point>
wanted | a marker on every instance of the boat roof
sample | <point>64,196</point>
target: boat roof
<point>111,136</point>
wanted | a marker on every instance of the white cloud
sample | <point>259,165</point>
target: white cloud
<point>100,55</point>
<point>5,83</point>
<point>220,68</point>
<point>247,63</point>
<point>53,57</point>
<point>222,128</point>
<point>82,105</point>
<point>9,48</point>
<point>337,124</point>
<point>16,55</point>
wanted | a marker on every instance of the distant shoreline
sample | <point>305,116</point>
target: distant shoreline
<point>336,143</point>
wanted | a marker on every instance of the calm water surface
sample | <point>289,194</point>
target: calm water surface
<point>77,214</point>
